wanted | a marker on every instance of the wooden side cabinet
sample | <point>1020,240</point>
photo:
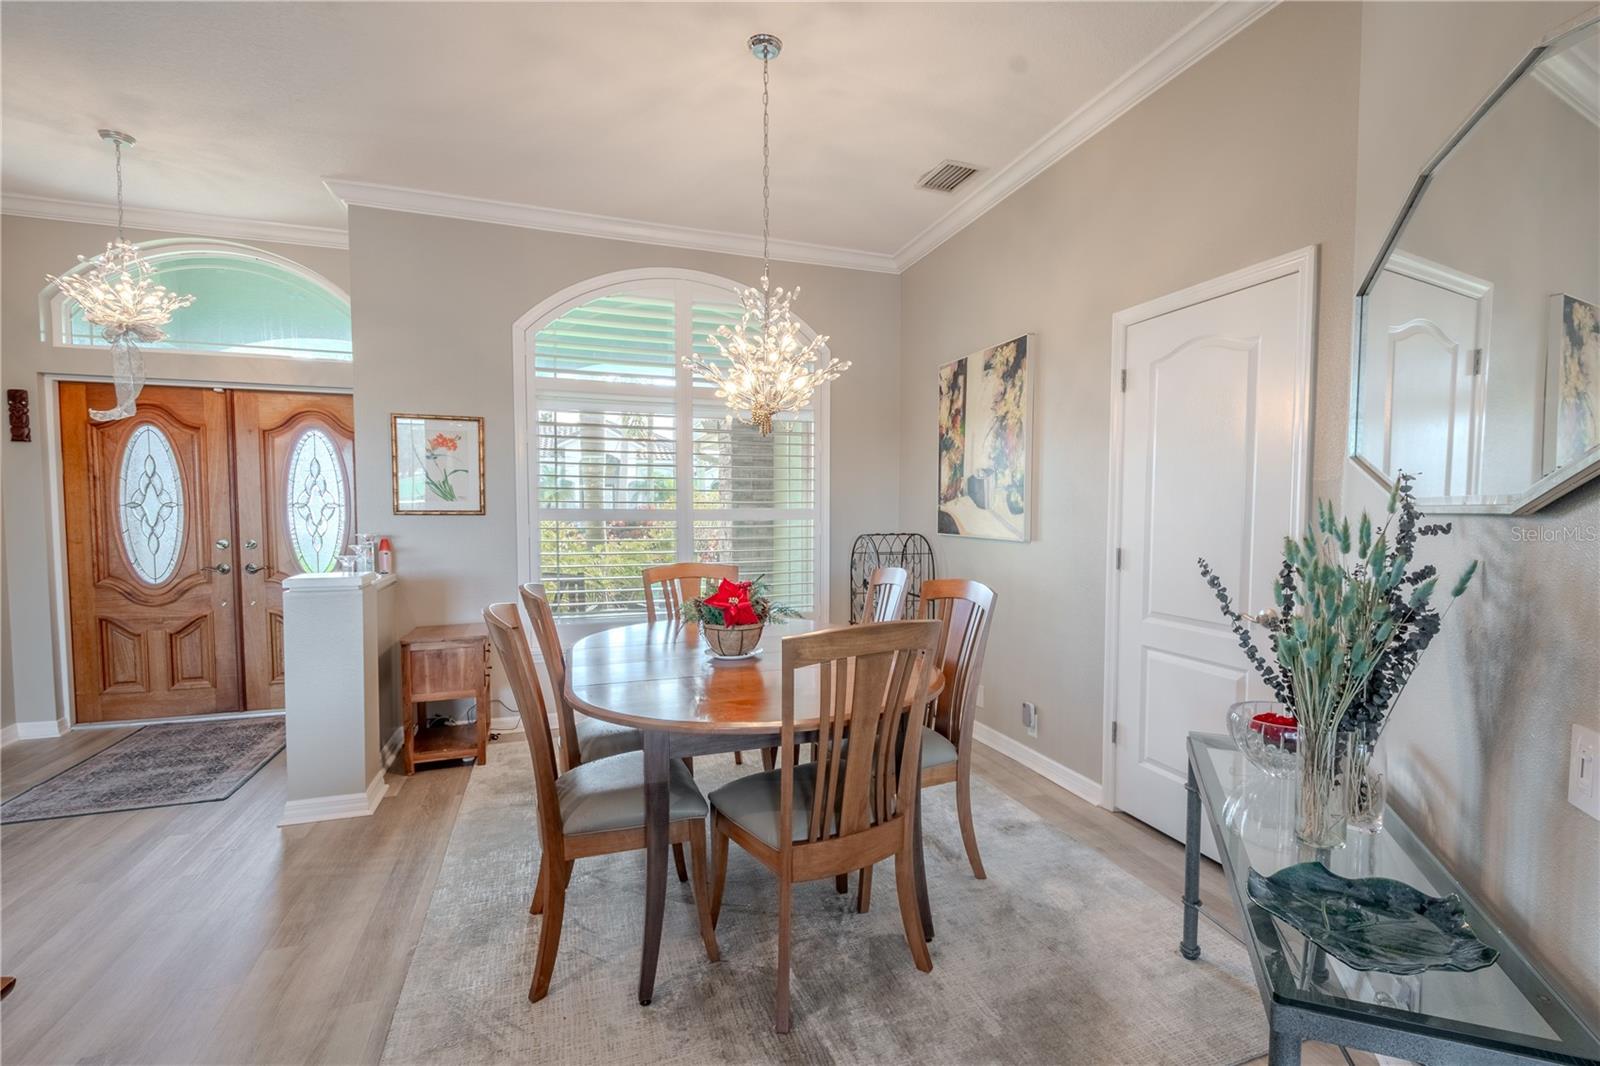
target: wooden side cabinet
<point>444,663</point>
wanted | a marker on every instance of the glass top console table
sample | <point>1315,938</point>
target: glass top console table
<point>1505,1013</point>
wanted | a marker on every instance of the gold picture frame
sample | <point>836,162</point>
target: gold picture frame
<point>428,456</point>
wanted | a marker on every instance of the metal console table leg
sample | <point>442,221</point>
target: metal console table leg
<point>1283,1049</point>
<point>1190,947</point>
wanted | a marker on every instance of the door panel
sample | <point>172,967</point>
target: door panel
<point>147,500</point>
<point>296,478</point>
<point>1212,417</point>
<point>1424,414</point>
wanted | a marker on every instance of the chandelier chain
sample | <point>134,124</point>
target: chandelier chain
<point>117,144</point>
<point>766,170</point>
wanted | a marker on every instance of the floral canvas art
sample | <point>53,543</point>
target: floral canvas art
<point>1575,363</point>
<point>438,464</point>
<point>984,414</point>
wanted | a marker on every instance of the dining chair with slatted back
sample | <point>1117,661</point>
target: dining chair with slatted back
<point>680,583</point>
<point>886,594</point>
<point>583,739</point>
<point>964,610</point>
<point>596,808</point>
<point>835,814</point>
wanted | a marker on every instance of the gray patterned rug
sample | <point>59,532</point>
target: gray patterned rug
<point>158,766</point>
<point>1059,957</point>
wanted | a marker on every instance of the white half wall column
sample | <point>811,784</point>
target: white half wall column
<point>340,651</point>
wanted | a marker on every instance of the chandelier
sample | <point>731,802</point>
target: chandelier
<point>116,292</point>
<point>766,367</point>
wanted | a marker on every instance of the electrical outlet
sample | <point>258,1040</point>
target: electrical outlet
<point>1583,770</point>
<point>980,698</point>
<point>1030,719</point>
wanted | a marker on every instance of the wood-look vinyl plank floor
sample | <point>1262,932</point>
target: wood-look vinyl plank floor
<point>206,934</point>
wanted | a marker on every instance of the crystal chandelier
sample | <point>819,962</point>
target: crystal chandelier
<point>768,367</point>
<point>116,292</point>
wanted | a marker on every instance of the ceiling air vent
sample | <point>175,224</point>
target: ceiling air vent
<point>947,176</point>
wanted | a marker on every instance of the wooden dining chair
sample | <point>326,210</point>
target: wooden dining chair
<point>596,808</point>
<point>827,817</point>
<point>886,595</point>
<point>680,583</point>
<point>583,739</point>
<point>964,610</point>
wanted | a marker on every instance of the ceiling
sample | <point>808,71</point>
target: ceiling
<point>644,112</point>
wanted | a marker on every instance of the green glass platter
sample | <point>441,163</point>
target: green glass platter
<point>1373,923</point>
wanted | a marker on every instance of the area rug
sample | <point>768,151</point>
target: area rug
<point>1059,957</point>
<point>157,766</point>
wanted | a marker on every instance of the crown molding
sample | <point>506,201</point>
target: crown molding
<point>183,223</point>
<point>1181,51</point>
<point>1575,80</point>
<point>1218,23</point>
<point>529,216</point>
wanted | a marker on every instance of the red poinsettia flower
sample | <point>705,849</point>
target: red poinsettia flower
<point>732,598</point>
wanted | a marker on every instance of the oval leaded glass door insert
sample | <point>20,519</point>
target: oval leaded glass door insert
<point>151,511</point>
<point>318,502</point>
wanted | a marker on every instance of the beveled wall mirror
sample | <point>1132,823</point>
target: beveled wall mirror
<point>1478,351</point>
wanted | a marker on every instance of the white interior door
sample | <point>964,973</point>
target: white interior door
<point>1214,443</point>
<point>1422,401</point>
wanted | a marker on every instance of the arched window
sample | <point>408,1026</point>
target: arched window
<point>632,461</point>
<point>247,302</point>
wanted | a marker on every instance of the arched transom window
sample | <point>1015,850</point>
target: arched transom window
<point>247,302</point>
<point>636,462</point>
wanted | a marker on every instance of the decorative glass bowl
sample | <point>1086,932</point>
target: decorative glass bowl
<point>1266,734</point>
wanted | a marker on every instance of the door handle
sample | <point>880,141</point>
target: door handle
<point>252,568</point>
<point>220,568</point>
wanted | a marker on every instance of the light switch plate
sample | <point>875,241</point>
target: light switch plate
<point>1583,771</point>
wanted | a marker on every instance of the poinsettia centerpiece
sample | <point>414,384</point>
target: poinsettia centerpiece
<point>733,617</point>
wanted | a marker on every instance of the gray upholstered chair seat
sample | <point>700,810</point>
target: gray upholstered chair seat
<point>608,794</point>
<point>936,749</point>
<point>752,803</point>
<point>598,739</point>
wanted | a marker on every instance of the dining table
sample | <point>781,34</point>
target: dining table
<point>660,678</point>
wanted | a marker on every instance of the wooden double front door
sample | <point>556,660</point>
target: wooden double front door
<point>182,522</point>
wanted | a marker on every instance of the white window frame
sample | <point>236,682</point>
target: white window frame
<point>682,286</point>
<point>55,311</point>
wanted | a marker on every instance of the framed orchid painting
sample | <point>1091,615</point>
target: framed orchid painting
<point>437,464</point>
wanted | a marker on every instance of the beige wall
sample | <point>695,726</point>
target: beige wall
<point>435,300</point>
<point>1478,744</point>
<point>1246,156</point>
<point>30,248</point>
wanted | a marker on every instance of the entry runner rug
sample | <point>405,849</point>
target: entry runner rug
<point>157,766</point>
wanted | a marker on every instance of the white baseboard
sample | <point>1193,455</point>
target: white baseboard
<point>1045,767</point>
<point>329,808</point>
<point>34,731</point>
<point>391,747</point>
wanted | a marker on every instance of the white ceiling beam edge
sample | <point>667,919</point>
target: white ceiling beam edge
<point>183,223</point>
<point>554,220</point>
<point>1185,48</point>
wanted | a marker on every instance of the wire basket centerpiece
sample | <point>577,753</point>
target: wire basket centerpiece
<point>733,617</point>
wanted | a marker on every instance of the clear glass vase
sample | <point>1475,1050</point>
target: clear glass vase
<point>1365,782</point>
<point>1321,815</point>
